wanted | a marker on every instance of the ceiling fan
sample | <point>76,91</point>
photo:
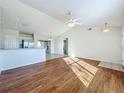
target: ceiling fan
<point>72,22</point>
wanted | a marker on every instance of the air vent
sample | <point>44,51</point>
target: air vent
<point>89,29</point>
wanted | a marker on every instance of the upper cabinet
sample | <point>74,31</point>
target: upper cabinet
<point>9,39</point>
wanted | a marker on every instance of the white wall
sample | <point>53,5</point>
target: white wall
<point>1,35</point>
<point>52,46</point>
<point>123,45</point>
<point>1,39</point>
<point>92,44</point>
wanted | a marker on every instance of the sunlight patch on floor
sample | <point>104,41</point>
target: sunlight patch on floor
<point>84,71</point>
<point>88,67</point>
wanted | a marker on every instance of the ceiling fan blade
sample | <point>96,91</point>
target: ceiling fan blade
<point>71,20</point>
<point>78,23</point>
<point>77,19</point>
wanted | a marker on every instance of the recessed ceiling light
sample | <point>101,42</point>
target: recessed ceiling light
<point>89,28</point>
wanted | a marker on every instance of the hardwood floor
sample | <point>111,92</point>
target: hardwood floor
<point>63,75</point>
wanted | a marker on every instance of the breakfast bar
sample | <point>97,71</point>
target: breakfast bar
<point>15,58</point>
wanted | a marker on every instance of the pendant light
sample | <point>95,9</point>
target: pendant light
<point>50,38</point>
<point>17,24</point>
<point>106,28</point>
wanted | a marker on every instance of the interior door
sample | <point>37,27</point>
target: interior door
<point>65,46</point>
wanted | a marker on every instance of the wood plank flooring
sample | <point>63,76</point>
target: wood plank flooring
<point>62,76</point>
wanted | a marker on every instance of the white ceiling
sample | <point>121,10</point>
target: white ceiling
<point>45,16</point>
<point>92,12</point>
<point>30,19</point>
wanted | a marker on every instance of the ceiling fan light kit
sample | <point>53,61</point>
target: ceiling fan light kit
<point>73,21</point>
<point>71,24</point>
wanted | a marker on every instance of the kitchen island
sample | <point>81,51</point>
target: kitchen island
<point>15,58</point>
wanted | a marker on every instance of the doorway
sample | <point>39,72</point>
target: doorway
<point>65,46</point>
